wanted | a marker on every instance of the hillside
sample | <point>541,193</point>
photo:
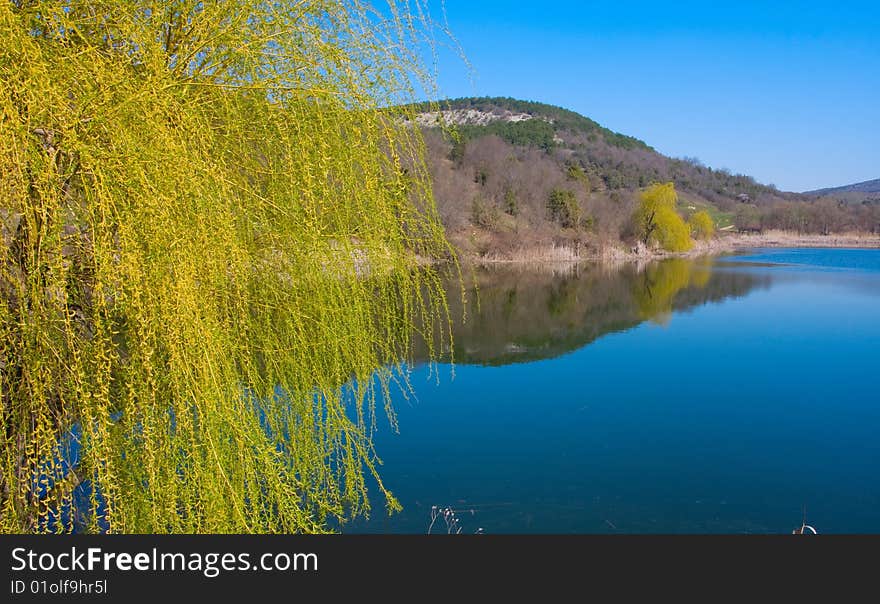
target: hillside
<point>518,178</point>
<point>859,192</point>
<point>869,186</point>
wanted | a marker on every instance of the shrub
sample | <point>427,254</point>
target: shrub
<point>564,208</point>
<point>576,173</point>
<point>483,213</point>
<point>511,204</point>
<point>481,176</point>
<point>701,225</point>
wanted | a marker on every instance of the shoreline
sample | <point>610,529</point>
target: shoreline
<point>560,254</point>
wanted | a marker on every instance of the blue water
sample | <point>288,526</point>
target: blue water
<point>729,406</point>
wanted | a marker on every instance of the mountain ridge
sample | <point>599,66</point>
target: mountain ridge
<point>866,186</point>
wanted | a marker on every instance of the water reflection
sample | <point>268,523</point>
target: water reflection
<point>730,417</point>
<point>516,314</point>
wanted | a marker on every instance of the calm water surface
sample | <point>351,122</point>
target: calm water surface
<point>687,396</point>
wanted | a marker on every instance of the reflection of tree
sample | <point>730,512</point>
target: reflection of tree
<point>657,286</point>
<point>525,315</point>
<point>562,297</point>
<point>510,303</point>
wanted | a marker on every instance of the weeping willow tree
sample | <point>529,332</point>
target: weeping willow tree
<point>212,214</point>
<point>657,220</point>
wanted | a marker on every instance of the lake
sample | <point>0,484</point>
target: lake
<point>722,395</point>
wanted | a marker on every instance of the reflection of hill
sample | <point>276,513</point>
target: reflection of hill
<point>530,315</point>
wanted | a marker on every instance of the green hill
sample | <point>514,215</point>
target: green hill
<point>503,166</point>
<point>558,119</point>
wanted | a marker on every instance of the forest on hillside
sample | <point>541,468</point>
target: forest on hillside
<point>496,184</point>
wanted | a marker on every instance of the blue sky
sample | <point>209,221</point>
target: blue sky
<point>788,92</point>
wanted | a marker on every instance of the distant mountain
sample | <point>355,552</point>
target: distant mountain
<point>869,186</point>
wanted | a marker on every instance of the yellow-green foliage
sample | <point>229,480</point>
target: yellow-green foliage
<point>657,220</point>
<point>209,230</point>
<point>577,174</point>
<point>701,225</point>
<point>564,208</point>
<point>660,282</point>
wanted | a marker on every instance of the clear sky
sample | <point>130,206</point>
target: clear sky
<point>787,92</point>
